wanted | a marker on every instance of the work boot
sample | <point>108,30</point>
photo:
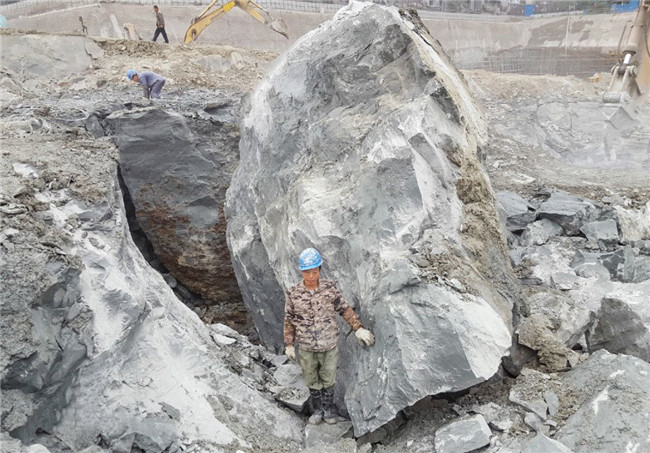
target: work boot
<point>317,407</point>
<point>329,411</point>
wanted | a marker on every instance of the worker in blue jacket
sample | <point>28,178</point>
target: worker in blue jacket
<point>152,83</point>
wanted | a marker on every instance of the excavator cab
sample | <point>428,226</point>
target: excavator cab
<point>204,19</point>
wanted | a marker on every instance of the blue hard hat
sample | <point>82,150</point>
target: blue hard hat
<point>309,259</point>
<point>130,73</point>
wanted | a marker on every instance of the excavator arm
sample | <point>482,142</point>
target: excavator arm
<point>204,19</point>
<point>631,76</point>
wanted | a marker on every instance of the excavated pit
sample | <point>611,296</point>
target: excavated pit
<point>190,252</point>
<point>57,151</point>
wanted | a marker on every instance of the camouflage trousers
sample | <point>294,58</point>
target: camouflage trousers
<point>319,368</point>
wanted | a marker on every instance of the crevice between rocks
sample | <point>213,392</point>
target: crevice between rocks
<point>192,300</point>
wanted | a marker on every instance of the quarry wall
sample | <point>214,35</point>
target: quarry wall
<point>564,45</point>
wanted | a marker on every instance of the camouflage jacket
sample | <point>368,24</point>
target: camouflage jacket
<point>310,316</point>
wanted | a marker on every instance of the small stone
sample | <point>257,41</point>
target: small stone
<point>459,410</point>
<point>552,401</point>
<point>223,340</point>
<point>567,211</point>
<point>457,285</point>
<point>20,191</point>
<point>564,281</point>
<point>280,360</point>
<point>11,232</point>
<point>537,406</point>
<point>542,444</point>
<point>605,231</point>
<point>534,422</point>
<point>367,448</point>
<point>324,434</point>
<point>489,411</point>
<point>503,425</point>
<point>182,291</point>
<point>463,435</point>
<point>538,233</point>
<point>170,280</point>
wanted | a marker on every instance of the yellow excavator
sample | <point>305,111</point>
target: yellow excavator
<point>629,90</point>
<point>631,75</point>
<point>204,19</point>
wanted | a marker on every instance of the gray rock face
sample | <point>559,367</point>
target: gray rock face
<point>96,348</point>
<point>56,57</point>
<point>613,405</point>
<point>177,170</point>
<point>623,324</point>
<point>462,436</point>
<point>362,142</point>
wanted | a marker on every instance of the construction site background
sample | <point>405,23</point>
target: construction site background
<point>472,7</point>
<point>576,42</point>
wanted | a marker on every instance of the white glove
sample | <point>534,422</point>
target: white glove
<point>290,352</point>
<point>364,336</point>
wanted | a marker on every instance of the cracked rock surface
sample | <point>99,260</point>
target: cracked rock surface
<point>362,142</point>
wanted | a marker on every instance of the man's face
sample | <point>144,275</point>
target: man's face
<point>311,276</point>
<point>155,9</point>
<point>135,78</point>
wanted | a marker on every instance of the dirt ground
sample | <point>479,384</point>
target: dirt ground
<point>526,151</point>
<point>206,66</point>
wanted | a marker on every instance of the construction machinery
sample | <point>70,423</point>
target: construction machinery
<point>628,136</point>
<point>204,19</point>
<point>631,75</point>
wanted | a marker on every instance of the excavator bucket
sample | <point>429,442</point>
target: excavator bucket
<point>280,26</point>
<point>253,9</point>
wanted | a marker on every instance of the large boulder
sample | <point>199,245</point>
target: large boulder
<point>177,169</point>
<point>96,348</point>
<point>362,142</point>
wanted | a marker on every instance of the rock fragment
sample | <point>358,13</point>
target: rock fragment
<point>543,444</point>
<point>517,211</point>
<point>463,435</point>
<point>623,322</point>
<point>613,401</point>
<point>537,406</point>
<point>552,401</point>
<point>566,210</point>
<point>324,434</point>
<point>605,231</point>
<point>535,333</point>
<point>539,232</point>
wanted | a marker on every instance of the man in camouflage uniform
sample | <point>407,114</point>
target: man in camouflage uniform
<point>310,318</point>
